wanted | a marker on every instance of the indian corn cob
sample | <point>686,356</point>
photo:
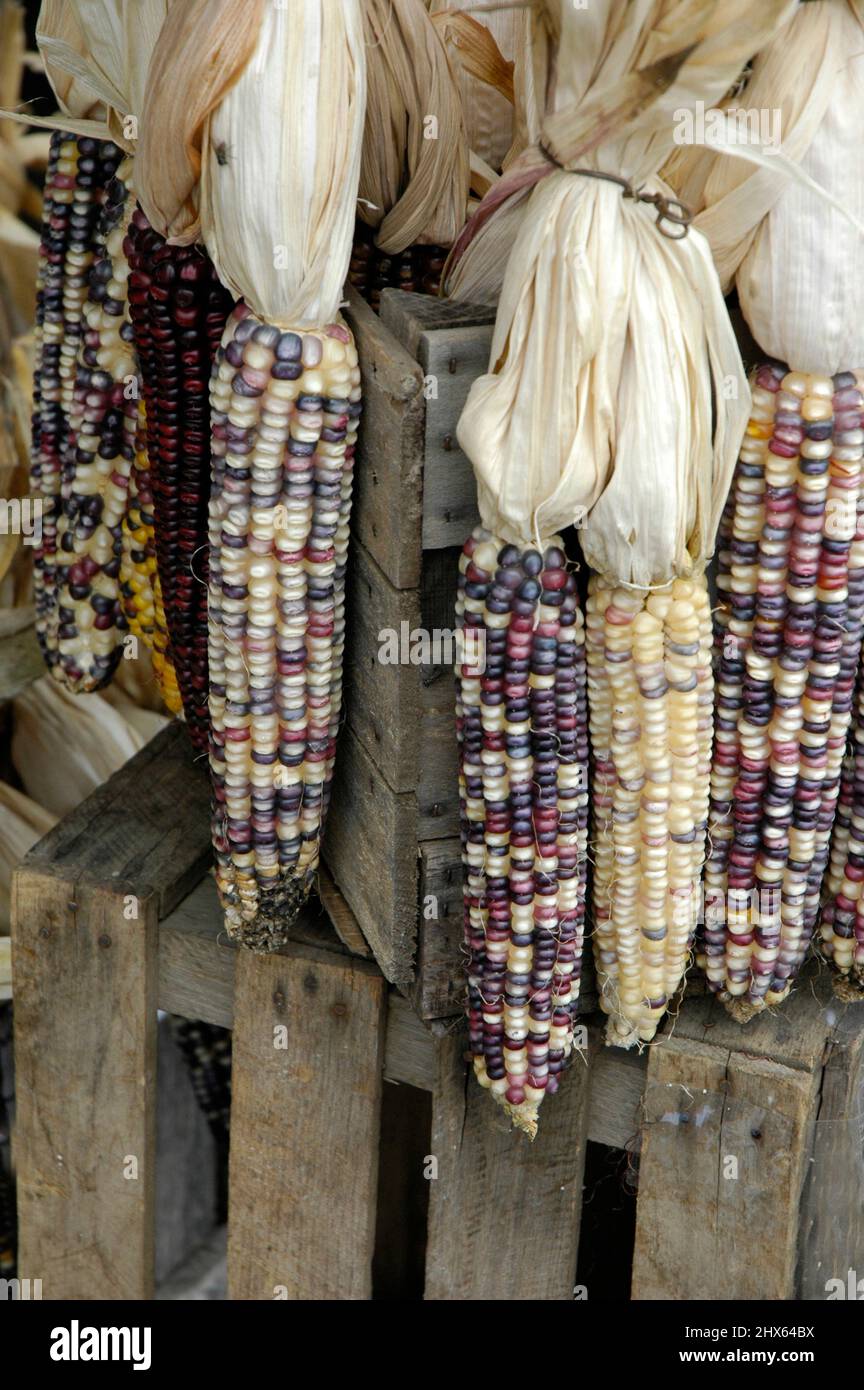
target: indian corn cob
<point>97,460</point>
<point>788,634</point>
<point>523,741</point>
<point>79,170</point>
<point>650,694</point>
<point>179,310</point>
<point>139,577</point>
<point>284,412</point>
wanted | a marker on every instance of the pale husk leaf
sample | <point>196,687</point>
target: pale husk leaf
<point>793,255</point>
<point>201,51</point>
<point>482,47</point>
<point>97,54</point>
<point>277,215</point>
<point>413,188</point>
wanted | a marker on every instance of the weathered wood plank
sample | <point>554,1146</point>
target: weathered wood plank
<point>196,960</point>
<point>382,697</point>
<point>732,1132</point>
<point>439,985</point>
<point>85,1058</point>
<point>794,1034</point>
<point>451,344</point>
<point>305,1116</point>
<point>341,917</point>
<point>146,828</point>
<point>370,848</point>
<point>503,1211</point>
<point>388,477</point>
<point>409,1055</point>
<point>831,1234</point>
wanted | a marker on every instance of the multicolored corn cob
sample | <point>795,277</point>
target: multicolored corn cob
<point>284,412</point>
<point>523,783</point>
<point>97,460</point>
<point>650,695</point>
<point>78,174</point>
<point>788,635</point>
<point>841,935</point>
<point>179,311</point>
<point>139,578</point>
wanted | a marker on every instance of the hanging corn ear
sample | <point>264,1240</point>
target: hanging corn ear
<point>284,420</point>
<point>139,578</point>
<point>78,172</point>
<point>650,693</point>
<point>97,459</point>
<point>179,311</point>
<point>788,635</point>
<point>522,730</point>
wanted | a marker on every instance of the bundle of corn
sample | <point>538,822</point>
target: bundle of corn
<point>79,172</point>
<point>179,311</point>
<point>640,456</point>
<point>139,577</point>
<point>788,629</point>
<point>285,399</point>
<point>521,719</point>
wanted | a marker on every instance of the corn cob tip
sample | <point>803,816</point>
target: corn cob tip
<point>524,1117</point>
<point>277,911</point>
<point>849,989</point>
<point>742,1010</point>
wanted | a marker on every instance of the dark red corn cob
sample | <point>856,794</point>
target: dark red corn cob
<point>522,725</point>
<point>179,310</point>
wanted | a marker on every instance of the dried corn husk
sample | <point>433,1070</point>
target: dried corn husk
<point>277,216</point>
<point>64,746</point>
<point>202,49</point>
<point>413,188</point>
<point>483,47</point>
<point>22,823</point>
<point>611,340</point>
<point>97,55</point>
<point>793,255</point>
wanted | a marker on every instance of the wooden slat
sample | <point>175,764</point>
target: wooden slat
<point>439,987</point>
<point>831,1234</point>
<point>196,959</point>
<point>451,344</point>
<point>370,848</point>
<point>382,698</point>
<point>304,1128</point>
<point>725,1145</point>
<point>409,1055</point>
<point>147,827</point>
<point>85,1059</point>
<point>795,1034</point>
<point>388,486</point>
<point>503,1211</point>
<point>341,917</point>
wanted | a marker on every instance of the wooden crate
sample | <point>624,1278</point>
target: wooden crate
<point>391,845</point>
<point>322,1177</point>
